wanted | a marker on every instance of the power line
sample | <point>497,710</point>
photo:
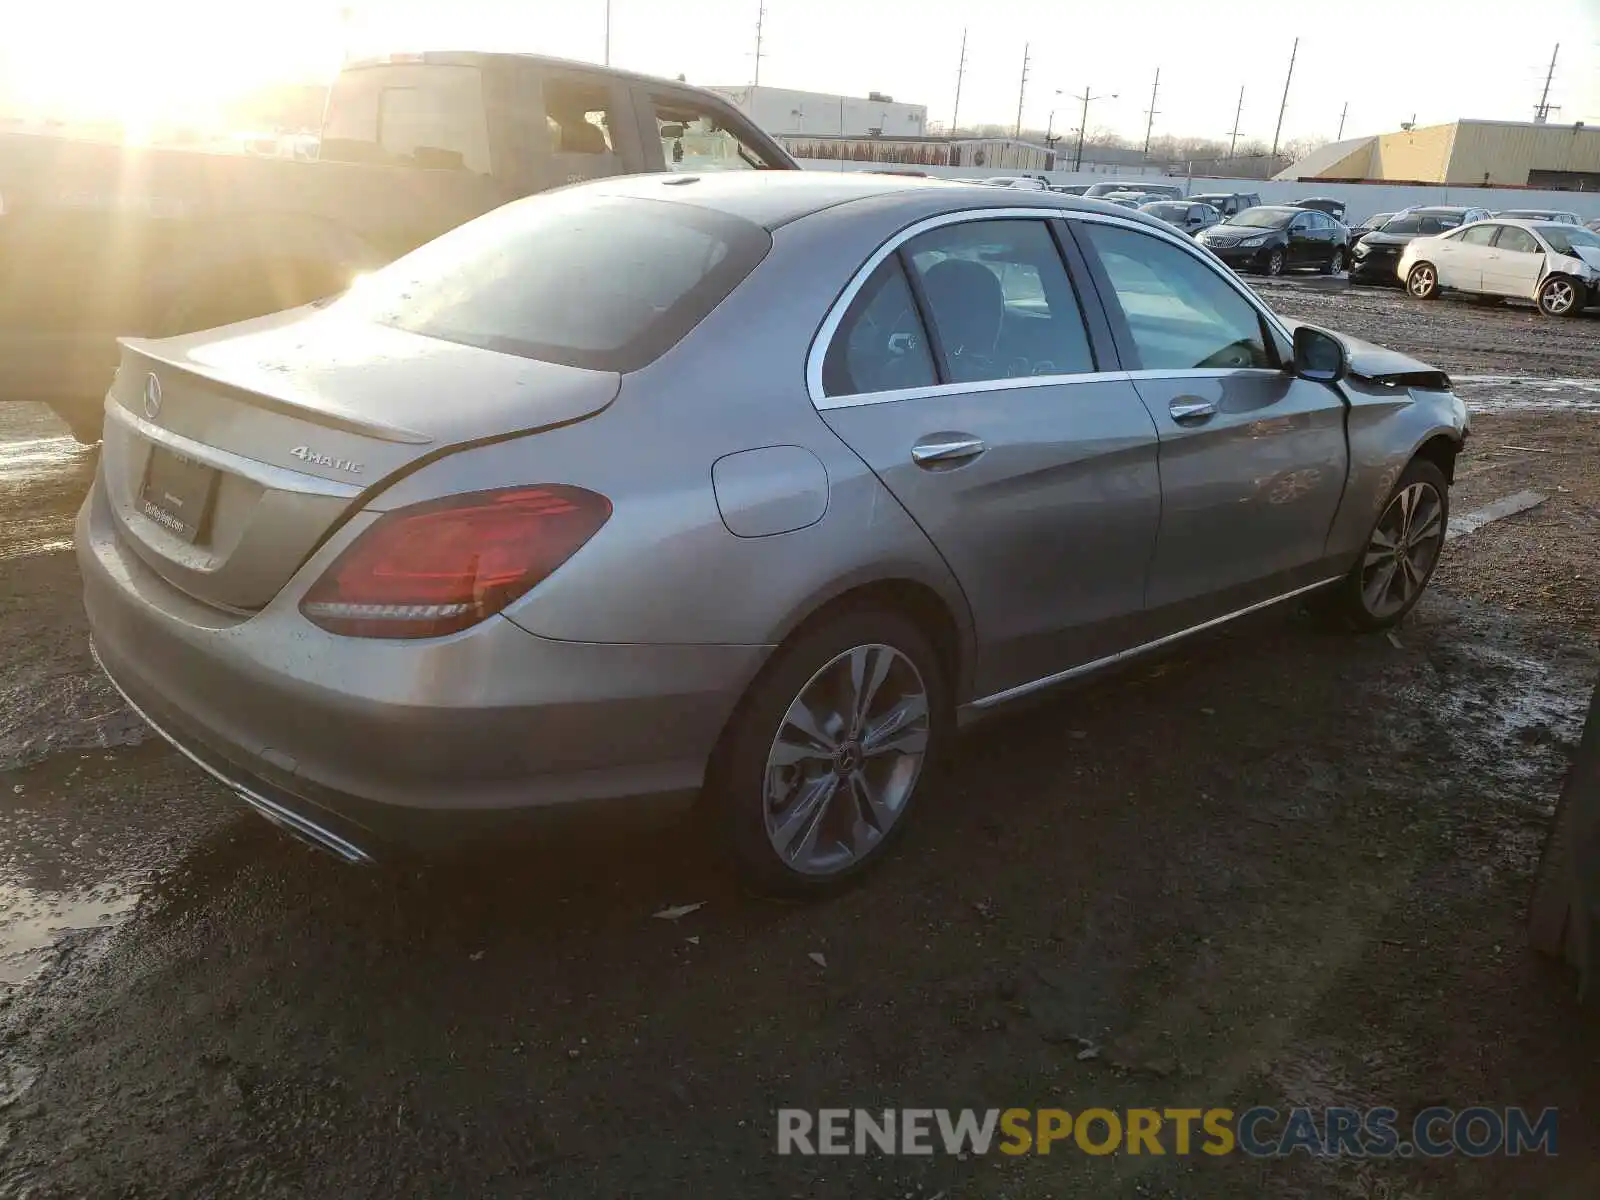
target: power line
<point>1151,122</point>
<point>1234,136</point>
<point>1022,90</point>
<point>1342,116</point>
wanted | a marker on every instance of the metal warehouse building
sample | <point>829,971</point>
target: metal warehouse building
<point>781,112</point>
<point>1469,153</point>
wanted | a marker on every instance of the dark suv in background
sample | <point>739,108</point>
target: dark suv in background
<point>1228,203</point>
<point>1375,257</point>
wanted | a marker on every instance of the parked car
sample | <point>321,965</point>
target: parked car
<point>1374,257</point>
<point>1183,214</point>
<point>170,240</point>
<point>1070,189</point>
<point>1594,225</point>
<point>591,578</point>
<point>1166,191</point>
<point>1273,239</point>
<point>1229,204</point>
<point>1327,204</point>
<point>1137,199</point>
<point>1541,214</point>
<point>1553,264</point>
<point>1374,222</point>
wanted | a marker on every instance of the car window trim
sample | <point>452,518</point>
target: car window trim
<point>1128,351</point>
<point>820,342</point>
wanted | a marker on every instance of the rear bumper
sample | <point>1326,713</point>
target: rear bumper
<point>379,742</point>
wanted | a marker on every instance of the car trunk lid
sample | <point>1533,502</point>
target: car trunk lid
<point>228,459</point>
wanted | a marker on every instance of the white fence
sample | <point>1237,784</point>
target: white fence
<point>1363,199</point>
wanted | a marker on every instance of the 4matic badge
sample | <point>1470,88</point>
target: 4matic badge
<point>307,455</point>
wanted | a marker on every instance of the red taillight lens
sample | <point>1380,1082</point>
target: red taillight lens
<point>434,568</point>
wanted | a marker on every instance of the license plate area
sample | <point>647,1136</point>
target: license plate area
<point>177,493</point>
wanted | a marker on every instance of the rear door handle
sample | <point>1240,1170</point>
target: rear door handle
<point>944,448</point>
<point>1191,410</point>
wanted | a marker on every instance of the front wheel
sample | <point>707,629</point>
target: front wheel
<point>1276,262</point>
<point>1401,552</point>
<point>1560,297</point>
<point>1423,281</point>
<point>843,730</point>
<point>1335,262</point>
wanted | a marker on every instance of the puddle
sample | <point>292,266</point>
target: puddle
<point>1514,393</point>
<point>30,458</point>
<point>34,921</point>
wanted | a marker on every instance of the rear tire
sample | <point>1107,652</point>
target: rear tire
<point>1561,296</point>
<point>1422,281</point>
<point>807,766</point>
<point>1400,554</point>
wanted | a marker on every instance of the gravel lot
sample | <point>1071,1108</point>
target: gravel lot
<point>1283,867</point>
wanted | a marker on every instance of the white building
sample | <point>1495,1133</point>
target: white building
<point>782,112</point>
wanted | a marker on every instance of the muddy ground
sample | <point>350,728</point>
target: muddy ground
<point>1282,867</point>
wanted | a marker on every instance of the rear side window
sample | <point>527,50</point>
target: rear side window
<point>1518,241</point>
<point>880,345</point>
<point>415,115</point>
<point>606,283</point>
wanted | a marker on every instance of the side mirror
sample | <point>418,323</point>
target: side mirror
<point>1319,356</point>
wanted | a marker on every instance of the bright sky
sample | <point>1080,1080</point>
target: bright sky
<point>1390,59</point>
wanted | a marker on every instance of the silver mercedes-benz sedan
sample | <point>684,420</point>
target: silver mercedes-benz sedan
<point>741,487</point>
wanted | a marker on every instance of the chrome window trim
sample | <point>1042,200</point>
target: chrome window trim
<point>279,479</point>
<point>830,324</point>
<point>1089,668</point>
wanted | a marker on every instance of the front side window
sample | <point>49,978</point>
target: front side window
<point>1479,235</point>
<point>1518,241</point>
<point>1181,315</point>
<point>880,345</point>
<point>999,302</point>
<point>693,139</point>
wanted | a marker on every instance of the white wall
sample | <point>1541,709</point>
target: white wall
<point>782,110</point>
<point>1363,199</point>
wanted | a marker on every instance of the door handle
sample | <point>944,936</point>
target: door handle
<point>1191,410</point>
<point>947,448</point>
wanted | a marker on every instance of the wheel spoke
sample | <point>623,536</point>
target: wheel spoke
<point>870,808</point>
<point>1428,528</point>
<point>869,667</point>
<point>1377,591</point>
<point>902,730</point>
<point>803,719</point>
<point>787,753</point>
<point>796,835</point>
<point>1383,539</point>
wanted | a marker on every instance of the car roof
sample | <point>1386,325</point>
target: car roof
<point>775,198</point>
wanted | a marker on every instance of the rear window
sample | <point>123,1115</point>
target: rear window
<point>607,283</point>
<point>415,115</point>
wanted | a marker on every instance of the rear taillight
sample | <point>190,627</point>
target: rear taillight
<point>432,569</point>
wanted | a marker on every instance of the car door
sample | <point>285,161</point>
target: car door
<point>1514,264</point>
<point>1302,249</point>
<point>1464,255</point>
<point>1253,458</point>
<point>964,373</point>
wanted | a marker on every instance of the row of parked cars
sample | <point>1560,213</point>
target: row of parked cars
<point>1550,258</point>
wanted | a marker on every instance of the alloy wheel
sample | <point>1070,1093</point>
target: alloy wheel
<point>1558,297</point>
<point>1275,263</point>
<point>845,760</point>
<point>1403,550</point>
<point>1422,281</point>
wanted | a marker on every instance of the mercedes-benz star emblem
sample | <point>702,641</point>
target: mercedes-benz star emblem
<point>152,396</point>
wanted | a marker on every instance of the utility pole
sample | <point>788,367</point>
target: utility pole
<point>1150,124</point>
<point>1083,123</point>
<point>961,70</point>
<point>1233,138</point>
<point>608,33</point>
<point>1342,116</point>
<point>1022,90</point>
<point>761,20</point>
<point>1278,132</point>
<point>1541,114</point>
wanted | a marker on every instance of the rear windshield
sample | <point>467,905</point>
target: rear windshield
<point>415,115</point>
<point>606,283</point>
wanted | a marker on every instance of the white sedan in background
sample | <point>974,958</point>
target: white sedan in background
<point>1556,266</point>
